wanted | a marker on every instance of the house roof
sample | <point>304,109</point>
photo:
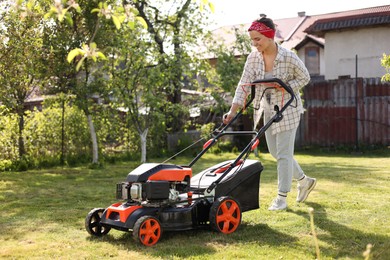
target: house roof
<point>292,32</point>
<point>301,33</point>
<point>321,26</point>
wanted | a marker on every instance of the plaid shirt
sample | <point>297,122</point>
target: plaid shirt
<point>288,68</point>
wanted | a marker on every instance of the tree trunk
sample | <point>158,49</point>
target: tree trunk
<point>95,154</point>
<point>22,150</point>
<point>143,136</point>
<point>62,159</point>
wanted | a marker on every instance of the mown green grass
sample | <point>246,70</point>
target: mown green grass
<point>42,214</point>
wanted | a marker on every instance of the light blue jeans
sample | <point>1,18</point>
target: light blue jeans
<point>281,147</point>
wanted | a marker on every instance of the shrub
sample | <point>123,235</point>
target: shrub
<point>226,146</point>
<point>5,165</point>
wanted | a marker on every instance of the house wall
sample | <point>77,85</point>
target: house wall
<point>301,55</point>
<point>368,44</point>
<point>322,61</point>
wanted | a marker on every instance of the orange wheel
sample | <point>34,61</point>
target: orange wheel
<point>147,230</point>
<point>225,215</point>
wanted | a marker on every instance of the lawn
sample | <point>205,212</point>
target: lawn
<point>42,214</point>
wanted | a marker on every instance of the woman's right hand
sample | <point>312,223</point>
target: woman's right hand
<point>226,118</point>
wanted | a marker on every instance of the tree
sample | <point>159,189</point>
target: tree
<point>89,28</point>
<point>134,83</point>
<point>74,36</point>
<point>81,32</point>
<point>228,68</point>
<point>385,61</point>
<point>231,60</point>
<point>175,28</point>
<point>21,67</point>
<point>146,77</point>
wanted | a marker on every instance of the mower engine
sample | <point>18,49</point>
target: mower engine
<point>155,183</point>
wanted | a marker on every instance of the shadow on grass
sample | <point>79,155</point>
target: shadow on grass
<point>345,241</point>
<point>202,242</point>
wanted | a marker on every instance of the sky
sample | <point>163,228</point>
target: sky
<point>229,12</point>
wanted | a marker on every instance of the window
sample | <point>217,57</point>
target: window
<point>312,60</point>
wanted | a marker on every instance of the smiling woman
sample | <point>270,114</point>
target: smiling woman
<point>271,60</point>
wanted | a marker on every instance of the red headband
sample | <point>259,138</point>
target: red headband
<point>263,29</point>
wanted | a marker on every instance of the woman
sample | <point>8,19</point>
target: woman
<point>270,60</point>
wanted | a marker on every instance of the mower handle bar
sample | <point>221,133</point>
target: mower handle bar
<point>282,84</point>
<point>276,118</point>
<point>253,93</point>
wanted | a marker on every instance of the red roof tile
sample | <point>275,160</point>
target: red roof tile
<point>291,31</point>
<point>321,26</point>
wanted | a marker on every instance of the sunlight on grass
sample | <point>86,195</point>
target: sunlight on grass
<point>42,214</point>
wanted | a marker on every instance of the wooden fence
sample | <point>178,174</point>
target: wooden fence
<point>346,112</point>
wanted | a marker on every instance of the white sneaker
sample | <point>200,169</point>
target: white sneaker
<point>305,189</point>
<point>278,204</point>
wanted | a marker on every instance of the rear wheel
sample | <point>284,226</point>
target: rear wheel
<point>225,215</point>
<point>147,230</point>
<point>92,223</point>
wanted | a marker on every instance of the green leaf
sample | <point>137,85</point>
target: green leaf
<point>385,61</point>
<point>69,19</point>
<point>116,21</point>
<point>134,11</point>
<point>142,21</point>
<point>101,55</point>
<point>62,15</point>
<point>385,78</point>
<point>52,11</point>
<point>30,4</point>
<point>93,45</point>
<point>122,18</point>
<point>73,53</point>
<point>80,63</point>
<point>47,15</point>
<point>95,10</point>
<point>131,25</point>
<point>212,7</point>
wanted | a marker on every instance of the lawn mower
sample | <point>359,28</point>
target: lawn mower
<point>157,197</point>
